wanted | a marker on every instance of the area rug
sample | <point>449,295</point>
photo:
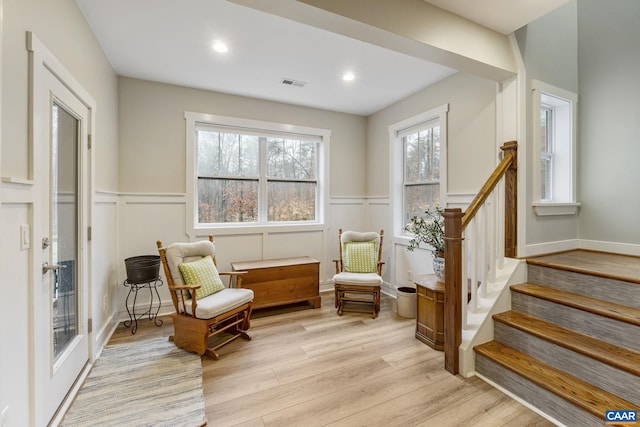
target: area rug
<point>147,383</point>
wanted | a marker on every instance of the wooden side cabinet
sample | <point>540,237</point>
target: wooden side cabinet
<point>281,281</point>
<point>430,311</point>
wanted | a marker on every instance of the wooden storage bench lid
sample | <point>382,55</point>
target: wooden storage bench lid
<point>270,263</point>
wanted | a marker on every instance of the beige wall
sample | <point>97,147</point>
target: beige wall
<point>608,125</point>
<point>471,132</point>
<point>152,134</point>
<point>557,67</point>
<point>77,49</point>
<point>471,156</point>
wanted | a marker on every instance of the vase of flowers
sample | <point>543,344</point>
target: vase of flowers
<point>429,229</point>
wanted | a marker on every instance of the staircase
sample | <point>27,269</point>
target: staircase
<point>570,346</point>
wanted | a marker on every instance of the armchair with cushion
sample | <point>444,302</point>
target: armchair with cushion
<point>204,306</point>
<point>358,275</point>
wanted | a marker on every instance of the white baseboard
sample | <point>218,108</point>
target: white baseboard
<point>619,248</point>
<point>103,337</point>
<point>567,245</point>
<point>326,286</point>
<point>389,290</point>
<point>550,247</point>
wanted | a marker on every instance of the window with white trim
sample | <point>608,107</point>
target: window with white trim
<point>418,164</point>
<point>255,173</point>
<point>555,142</point>
<point>421,155</point>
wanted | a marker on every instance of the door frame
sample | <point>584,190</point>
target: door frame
<point>41,62</point>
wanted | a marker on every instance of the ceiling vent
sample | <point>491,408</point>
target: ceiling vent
<point>291,82</point>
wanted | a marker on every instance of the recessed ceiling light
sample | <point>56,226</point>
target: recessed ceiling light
<point>219,46</point>
<point>348,76</point>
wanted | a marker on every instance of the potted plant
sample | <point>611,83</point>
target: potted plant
<point>429,229</point>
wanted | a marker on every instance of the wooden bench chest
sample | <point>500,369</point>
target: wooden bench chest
<point>281,281</point>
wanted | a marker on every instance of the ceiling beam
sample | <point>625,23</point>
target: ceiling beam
<point>412,27</point>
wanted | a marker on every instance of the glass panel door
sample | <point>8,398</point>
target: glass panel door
<point>64,227</point>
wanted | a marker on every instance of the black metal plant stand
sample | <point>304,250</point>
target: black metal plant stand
<point>152,285</point>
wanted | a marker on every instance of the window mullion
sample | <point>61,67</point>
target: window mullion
<point>230,178</point>
<point>276,179</point>
<point>262,195</point>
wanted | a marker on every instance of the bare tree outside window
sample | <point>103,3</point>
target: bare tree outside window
<point>546,151</point>
<point>230,177</point>
<point>421,170</point>
<point>291,177</point>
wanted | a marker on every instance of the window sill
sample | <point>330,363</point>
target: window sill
<point>555,209</point>
<point>240,229</point>
<point>401,239</point>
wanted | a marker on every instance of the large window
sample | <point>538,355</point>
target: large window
<point>249,172</point>
<point>418,164</point>
<point>555,141</point>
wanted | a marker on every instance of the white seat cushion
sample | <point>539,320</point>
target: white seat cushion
<point>357,279</point>
<point>220,302</point>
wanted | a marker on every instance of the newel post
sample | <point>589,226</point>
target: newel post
<point>511,200</point>
<point>453,288</point>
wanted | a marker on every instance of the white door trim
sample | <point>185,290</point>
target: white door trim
<point>41,63</point>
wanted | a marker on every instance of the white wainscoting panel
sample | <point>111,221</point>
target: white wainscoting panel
<point>240,247</point>
<point>408,265</point>
<point>16,286</point>
<point>348,213</point>
<point>144,219</point>
<point>459,200</point>
<point>283,245</point>
<point>379,218</point>
<point>104,269</point>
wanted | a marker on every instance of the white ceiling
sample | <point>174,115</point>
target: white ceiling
<point>170,41</point>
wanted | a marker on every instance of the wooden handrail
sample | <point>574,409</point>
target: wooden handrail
<point>507,160</point>
<point>455,222</point>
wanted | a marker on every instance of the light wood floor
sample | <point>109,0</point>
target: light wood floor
<point>313,368</point>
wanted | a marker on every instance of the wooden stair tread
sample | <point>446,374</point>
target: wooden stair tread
<point>602,308</point>
<point>594,263</point>
<point>618,357</point>
<point>580,393</point>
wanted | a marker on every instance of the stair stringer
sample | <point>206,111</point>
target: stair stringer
<point>479,327</point>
